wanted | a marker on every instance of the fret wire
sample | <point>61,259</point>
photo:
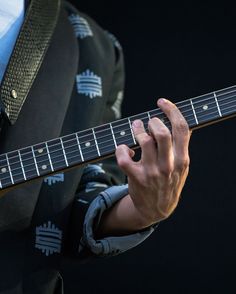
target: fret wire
<point>149,116</point>
<point>227,113</point>
<point>77,138</point>
<point>194,111</point>
<point>38,156</point>
<point>204,95</point>
<point>90,152</point>
<point>208,99</point>
<point>202,111</point>
<point>110,140</point>
<point>0,184</point>
<point>217,104</point>
<point>9,168</point>
<point>132,131</point>
<point>96,143</point>
<point>219,95</point>
<point>216,112</point>
<point>196,102</point>
<point>49,157</point>
<point>21,163</point>
<point>63,149</point>
<point>224,100</point>
<point>205,100</point>
<point>113,136</point>
<point>35,162</point>
<point>104,135</point>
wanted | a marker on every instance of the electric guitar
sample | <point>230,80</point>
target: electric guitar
<point>90,145</point>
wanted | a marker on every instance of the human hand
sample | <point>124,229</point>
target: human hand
<point>157,179</point>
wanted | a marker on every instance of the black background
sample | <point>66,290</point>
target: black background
<point>177,51</point>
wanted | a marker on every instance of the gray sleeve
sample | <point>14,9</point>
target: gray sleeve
<point>109,246</point>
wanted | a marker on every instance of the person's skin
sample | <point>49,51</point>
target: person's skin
<point>156,181</point>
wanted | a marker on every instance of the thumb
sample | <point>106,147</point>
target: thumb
<point>124,159</point>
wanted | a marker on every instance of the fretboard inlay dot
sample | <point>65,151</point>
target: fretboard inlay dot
<point>87,146</point>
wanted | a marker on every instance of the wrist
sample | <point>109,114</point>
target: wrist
<point>122,219</point>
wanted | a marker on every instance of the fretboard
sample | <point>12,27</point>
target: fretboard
<point>96,143</point>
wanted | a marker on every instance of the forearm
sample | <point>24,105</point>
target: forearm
<point>121,219</point>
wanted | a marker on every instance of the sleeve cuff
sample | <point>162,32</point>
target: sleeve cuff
<point>109,246</point>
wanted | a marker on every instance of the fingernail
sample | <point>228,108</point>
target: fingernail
<point>162,101</point>
<point>137,123</point>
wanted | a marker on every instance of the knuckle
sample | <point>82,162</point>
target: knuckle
<point>120,149</point>
<point>182,127</point>
<point>153,121</point>
<point>146,140</point>
<point>122,162</point>
<point>152,174</point>
<point>183,163</point>
<point>163,134</point>
<point>173,111</point>
<point>167,170</point>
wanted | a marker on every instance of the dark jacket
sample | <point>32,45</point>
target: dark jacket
<point>53,108</point>
<point>39,221</point>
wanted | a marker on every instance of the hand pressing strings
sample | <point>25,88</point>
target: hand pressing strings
<point>157,179</point>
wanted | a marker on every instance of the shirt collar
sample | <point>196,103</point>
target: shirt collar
<point>10,11</point>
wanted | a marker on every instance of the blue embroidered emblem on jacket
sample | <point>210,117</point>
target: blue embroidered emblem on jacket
<point>81,27</point>
<point>89,84</point>
<point>54,179</point>
<point>48,239</point>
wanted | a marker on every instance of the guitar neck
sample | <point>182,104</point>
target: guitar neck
<point>96,143</point>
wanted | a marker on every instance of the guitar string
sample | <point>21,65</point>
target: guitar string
<point>213,93</point>
<point>118,126</point>
<point>50,153</point>
<point>158,112</point>
<point>54,163</point>
<point>134,116</point>
<point>34,170</point>
<point>198,107</point>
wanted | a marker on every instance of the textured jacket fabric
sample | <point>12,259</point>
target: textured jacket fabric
<point>79,85</point>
